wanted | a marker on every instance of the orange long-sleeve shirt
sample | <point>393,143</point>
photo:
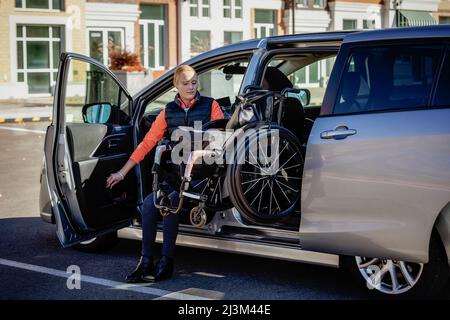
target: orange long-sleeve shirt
<point>159,127</point>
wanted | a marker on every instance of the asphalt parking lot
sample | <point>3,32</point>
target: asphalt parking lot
<point>33,265</point>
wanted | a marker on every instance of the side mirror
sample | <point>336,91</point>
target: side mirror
<point>303,95</point>
<point>97,112</point>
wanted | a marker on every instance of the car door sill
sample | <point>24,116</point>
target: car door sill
<point>243,246</point>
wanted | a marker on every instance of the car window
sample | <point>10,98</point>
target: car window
<point>221,83</point>
<point>92,96</point>
<point>314,77</point>
<point>387,78</point>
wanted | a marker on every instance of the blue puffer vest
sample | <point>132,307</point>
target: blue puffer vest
<point>177,116</point>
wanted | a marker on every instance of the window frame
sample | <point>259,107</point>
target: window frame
<point>233,7</point>
<point>24,7</point>
<point>24,39</point>
<point>105,31</point>
<point>352,20</point>
<point>159,65</point>
<point>200,6</point>
<point>335,81</point>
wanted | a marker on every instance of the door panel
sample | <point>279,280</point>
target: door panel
<point>91,138</point>
<point>376,193</point>
<point>97,151</point>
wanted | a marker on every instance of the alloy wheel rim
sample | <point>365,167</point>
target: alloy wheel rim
<point>389,276</point>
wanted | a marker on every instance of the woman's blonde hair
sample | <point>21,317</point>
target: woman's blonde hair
<point>180,70</point>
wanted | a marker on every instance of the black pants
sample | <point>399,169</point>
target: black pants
<point>150,216</point>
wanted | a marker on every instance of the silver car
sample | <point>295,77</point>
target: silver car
<point>370,140</point>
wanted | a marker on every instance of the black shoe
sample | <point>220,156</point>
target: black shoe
<point>163,270</point>
<point>145,267</point>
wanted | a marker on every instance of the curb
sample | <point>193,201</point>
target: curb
<point>27,119</point>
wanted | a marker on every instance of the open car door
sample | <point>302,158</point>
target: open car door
<point>91,136</point>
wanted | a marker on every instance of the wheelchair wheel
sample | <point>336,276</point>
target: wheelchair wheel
<point>214,187</point>
<point>266,191</point>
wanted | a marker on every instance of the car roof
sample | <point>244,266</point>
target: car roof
<point>424,32</point>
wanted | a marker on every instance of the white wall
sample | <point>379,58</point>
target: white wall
<point>113,15</point>
<point>354,11</point>
<point>308,20</point>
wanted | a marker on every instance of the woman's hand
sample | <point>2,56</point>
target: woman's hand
<point>114,178</point>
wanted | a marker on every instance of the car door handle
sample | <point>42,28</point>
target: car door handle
<point>338,133</point>
<point>113,143</point>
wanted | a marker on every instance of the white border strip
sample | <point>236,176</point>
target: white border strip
<point>102,282</point>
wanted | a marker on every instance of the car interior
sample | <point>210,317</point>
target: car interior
<point>279,74</point>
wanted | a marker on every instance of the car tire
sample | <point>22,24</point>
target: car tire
<point>428,279</point>
<point>98,244</point>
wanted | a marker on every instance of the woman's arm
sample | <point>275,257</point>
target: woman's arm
<point>155,134</point>
<point>115,178</point>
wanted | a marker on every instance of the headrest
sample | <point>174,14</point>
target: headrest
<point>275,80</point>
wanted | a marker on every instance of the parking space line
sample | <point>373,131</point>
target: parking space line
<point>103,282</point>
<point>22,129</point>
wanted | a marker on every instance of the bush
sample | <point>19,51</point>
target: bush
<point>125,60</point>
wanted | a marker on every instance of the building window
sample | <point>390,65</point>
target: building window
<point>40,4</point>
<point>230,37</point>
<point>193,8</point>
<point>444,20</point>
<point>349,24</point>
<point>199,8</point>
<point>153,35</point>
<point>200,41</point>
<point>302,3</point>
<point>319,4</point>
<point>232,9</point>
<point>368,24</point>
<point>103,41</point>
<point>265,22</point>
<point>38,51</point>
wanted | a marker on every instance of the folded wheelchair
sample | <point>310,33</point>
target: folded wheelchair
<point>251,161</point>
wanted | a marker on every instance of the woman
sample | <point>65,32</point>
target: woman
<point>187,107</point>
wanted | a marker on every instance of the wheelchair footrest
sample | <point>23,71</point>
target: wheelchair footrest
<point>195,196</point>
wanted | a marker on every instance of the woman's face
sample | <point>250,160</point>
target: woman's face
<point>187,85</point>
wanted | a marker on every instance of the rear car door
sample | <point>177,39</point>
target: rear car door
<point>376,170</point>
<point>91,137</point>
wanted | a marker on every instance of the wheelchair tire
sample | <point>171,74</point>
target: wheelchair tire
<point>264,193</point>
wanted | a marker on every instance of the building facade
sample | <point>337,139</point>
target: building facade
<point>32,36</point>
<point>209,24</point>
<point>164,33</point>
<point>355,14</point>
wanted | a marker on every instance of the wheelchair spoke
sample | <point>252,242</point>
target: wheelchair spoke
<point>293,155</point>
<point>293,166</point>
<point>288,177</point>
<point>259,168</point>
<point>282,190</point>
<point>289,187</point>
<point>215,188</point>
<point>252,180</point>
<point>206,179</point>
<point>257,173</point>
<point>253,186</point>
<point>264,183</point>
<point>278,156</point>
<point>274,196</point>
<point>262,193</point>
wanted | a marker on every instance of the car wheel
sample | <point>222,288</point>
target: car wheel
<point>400,279</point>
<point>98,244</point>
